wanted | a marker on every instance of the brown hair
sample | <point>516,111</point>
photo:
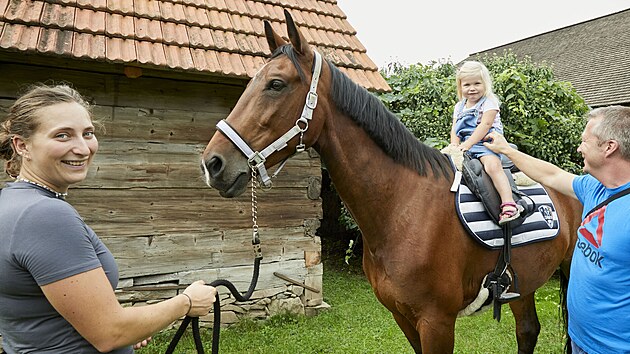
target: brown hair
<point>22,118</point>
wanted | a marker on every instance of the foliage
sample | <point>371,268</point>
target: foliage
<point>358,323</point>
<point>541,115</point>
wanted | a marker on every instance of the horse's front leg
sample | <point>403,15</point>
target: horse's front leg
<point>410,331</point>
<point>527,324</point>
<point>437,334</point>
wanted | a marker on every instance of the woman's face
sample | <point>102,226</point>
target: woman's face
<point>61,149</point>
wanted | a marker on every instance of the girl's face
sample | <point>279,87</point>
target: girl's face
<point>60,151</point>
<point>472,88</point>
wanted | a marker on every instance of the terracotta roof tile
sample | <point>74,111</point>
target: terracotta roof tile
<point>55,15</point>
<point>175,34</point>
<point>123,7</point>
<point>147,8</point>
<point>89,46</point>
<point>216,36</point>
<point>196,16</point>
<point>232,63</point>
<point>178,57</point>
<point>93,4</point>
<point>200,37</point>
<point>206,60</point>
<point>19,37</point>
<point>25,11</point>
<point>120,50</point>
<point>55,41</point>
<point>90,21</point>
<point>151,53</point>
<point>147,29</point>
<point>119,26</point>
<point>3,6</point>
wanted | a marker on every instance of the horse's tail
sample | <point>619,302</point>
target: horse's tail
<point>564,283</point>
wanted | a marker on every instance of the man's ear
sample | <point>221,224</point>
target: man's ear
<point>611,147</point>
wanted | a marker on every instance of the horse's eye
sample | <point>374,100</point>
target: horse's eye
<point>276,85</point>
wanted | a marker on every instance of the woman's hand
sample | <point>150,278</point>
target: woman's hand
<point>201,297</point>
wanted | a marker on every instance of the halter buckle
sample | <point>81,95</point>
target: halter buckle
<point>256,160</point>
<point>311,100</point>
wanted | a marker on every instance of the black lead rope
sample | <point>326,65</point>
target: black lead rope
<point>217,312</point>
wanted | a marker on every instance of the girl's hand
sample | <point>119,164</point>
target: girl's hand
<point>142,344</point>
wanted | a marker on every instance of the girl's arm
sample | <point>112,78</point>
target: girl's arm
<point>87,301</point>
<point>487,119</point>
<point>454,138</point>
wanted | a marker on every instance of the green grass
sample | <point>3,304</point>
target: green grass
<point>358,323</point>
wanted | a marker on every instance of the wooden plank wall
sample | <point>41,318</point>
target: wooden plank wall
<point>145,197</point>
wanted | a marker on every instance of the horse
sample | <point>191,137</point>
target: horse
<point>420,262</point>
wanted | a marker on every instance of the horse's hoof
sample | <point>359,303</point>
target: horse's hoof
<point>507,297</point>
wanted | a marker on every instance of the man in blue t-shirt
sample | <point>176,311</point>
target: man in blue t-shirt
<point>598,297</point>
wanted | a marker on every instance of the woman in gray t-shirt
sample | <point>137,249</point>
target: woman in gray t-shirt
<point>57,279</point>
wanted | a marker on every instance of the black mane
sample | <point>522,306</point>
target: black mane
<point>384,127</point>
<point>380,124</point>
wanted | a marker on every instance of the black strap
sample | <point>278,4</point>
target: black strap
<point>610,199</point>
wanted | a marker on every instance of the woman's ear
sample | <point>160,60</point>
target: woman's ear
<point>20,146</point>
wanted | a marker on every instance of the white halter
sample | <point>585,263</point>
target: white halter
<point>257,159</point>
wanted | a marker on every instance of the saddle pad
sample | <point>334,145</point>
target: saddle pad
<point>541,225</point>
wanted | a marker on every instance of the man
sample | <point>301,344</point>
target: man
<point>599,287</point>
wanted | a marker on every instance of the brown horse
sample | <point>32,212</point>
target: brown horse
<point>417,256</point>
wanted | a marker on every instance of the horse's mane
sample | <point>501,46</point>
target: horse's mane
<point>384,127</point>
<point>377,121</point>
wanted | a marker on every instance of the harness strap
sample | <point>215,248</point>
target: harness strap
<point>257,159</point>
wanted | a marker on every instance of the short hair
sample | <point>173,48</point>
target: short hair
<point>475,69</point>
<point>614,125</point>
<point>23,118</point>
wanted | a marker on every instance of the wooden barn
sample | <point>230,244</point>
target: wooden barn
<point>161,74</point>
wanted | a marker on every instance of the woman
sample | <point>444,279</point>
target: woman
<point>57,279</point>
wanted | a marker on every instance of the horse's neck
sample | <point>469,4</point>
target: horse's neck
<point>372,185</point>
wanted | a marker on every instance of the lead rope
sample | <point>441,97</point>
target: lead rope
<point>222,282</point>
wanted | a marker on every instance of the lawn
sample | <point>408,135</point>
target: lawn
<point>358,323</point>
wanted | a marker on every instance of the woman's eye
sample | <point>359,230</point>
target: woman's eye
<point>276,85</point>
<point>88,134</point>
<point>62,136</point>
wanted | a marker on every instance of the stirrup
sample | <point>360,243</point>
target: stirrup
<point>507,216</point>
<point>507,297</point>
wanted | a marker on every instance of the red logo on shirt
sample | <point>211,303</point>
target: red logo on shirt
<point>594,239</point>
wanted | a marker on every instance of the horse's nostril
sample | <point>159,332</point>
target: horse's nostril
<point>214,166</point>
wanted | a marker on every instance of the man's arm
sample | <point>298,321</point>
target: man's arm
<point>539,170</point>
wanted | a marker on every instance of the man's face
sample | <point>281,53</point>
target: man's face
<point>591,149</point>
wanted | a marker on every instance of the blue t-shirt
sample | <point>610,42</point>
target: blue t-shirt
<point>599,286</point>
<point>43,240</point>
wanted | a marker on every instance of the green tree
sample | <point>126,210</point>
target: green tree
<point>542,115</point>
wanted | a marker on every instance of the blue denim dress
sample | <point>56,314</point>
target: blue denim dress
<point>467,121</point>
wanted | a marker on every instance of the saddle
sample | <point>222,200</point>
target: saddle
<point>478,181</point>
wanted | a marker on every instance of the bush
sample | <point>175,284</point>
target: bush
<point>540,114</point>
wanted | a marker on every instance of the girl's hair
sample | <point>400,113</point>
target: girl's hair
<point>614,125</point>
<point>475,69</point>
<point>23,118</point>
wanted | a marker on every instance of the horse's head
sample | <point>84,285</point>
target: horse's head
<point>270,121</point>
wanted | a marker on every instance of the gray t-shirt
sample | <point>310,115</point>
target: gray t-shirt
<point>42,240</point>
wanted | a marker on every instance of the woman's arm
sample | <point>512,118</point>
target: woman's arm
<point>87,301</point>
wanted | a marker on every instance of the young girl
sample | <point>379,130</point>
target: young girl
<point>476,115</point>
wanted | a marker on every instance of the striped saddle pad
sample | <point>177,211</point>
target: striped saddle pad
<point>541,225</point>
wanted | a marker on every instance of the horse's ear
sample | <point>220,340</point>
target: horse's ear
<point>273,39</point>
<point>300,44</point>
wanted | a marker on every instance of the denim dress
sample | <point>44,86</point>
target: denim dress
<point>467,121</point>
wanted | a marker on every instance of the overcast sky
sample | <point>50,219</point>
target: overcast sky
<point>419,31</point>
